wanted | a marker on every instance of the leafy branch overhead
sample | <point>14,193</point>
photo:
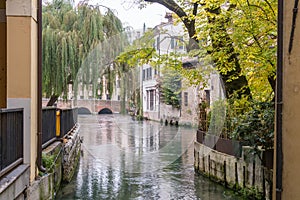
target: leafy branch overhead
<point>239,37</point>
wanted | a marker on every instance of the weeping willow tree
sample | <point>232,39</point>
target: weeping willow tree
<point>78,43</point>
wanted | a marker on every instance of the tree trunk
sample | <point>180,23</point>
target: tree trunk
<point>52,100</point>
<point>230,70</point>
<point>188,23</point>
<point>232,77</point>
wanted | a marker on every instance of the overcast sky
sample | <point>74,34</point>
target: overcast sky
<point>131,15</point>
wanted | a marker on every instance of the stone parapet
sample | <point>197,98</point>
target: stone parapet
<point>60,159</point>
<point>245,174</point>
<point>46,185</point>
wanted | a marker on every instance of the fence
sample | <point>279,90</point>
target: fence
<point>11,139</point>
<point>12,133</point>
<point>68,118</point>
<point>48,125</point>
<point>228,146</point>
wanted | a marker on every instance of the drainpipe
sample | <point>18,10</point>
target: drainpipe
<point>39,92</point>
<point>278,126</point>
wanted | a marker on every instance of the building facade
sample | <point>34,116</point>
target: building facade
<point>18,65</point>
<point>169,39</point>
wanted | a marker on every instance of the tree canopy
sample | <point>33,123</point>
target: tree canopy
<point>239,37</point>
<point>75,39</point>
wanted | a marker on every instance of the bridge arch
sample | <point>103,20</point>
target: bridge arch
<point>105,111</point>
<point>84,111</point>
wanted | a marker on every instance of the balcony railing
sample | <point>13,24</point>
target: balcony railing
<point>11,139</point>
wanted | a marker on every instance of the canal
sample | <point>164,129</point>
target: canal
<point>126,159</point>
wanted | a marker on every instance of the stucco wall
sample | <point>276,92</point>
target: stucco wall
<point>3,66</point>
<point>290,106</point>
<point>22,46</point>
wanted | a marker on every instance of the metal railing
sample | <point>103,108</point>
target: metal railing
<point>48,125</point>
<point>12,133</point>
<point>68,119</point>
<point>56,123</point>
<point>11,139</point>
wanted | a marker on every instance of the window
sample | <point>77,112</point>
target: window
<point>152,98</point>
<point>158,42</point>
<point>150,73</point>
<point>144,74</point>
<point>118,83</point>
<point>185,97</point>
<point>180,43</point>
<point>147,74</point>
<point>172,43</point>
<point>147,100</point>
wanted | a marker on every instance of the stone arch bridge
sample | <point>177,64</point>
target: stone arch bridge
<point>87,106</point>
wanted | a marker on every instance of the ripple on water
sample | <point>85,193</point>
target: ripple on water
<point>126,159</point>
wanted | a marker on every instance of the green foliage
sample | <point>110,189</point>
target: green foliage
<point>170,87</point>
<point>140,52</point>
<point>256,126</point>
<point>77,39</point>
<point>251,27</point>
<point>237,36</point>
<point>255,35</point>
<point>48,161</point>
<point>251,193</point>
<point>216,117</point>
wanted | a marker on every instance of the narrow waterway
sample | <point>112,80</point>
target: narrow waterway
<point>127,159</point>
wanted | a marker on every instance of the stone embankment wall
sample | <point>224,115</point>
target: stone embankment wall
<point>72,147</point>
<point>60,160</point>
<point>245,174</point>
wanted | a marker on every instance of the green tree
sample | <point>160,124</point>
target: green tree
<point>255,36</point>
<point>214,26</point>
<point>170,87</point>
<point>77,39</point>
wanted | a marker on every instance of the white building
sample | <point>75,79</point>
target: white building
<point>169,38</point>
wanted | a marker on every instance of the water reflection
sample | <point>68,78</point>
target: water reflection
<point>126,159</point>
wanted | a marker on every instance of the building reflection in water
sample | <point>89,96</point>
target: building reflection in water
<point>126,159</point>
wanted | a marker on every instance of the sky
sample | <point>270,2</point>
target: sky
<point>132,16</point>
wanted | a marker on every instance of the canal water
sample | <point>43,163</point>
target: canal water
<point>127,159</point>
